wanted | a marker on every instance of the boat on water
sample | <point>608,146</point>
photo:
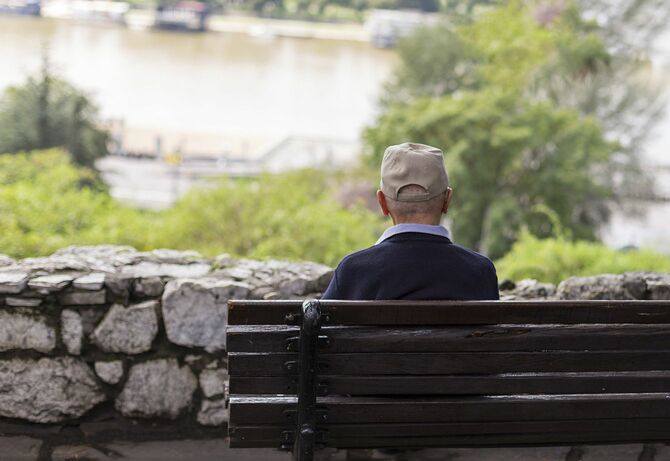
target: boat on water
<point>21,7</point>
<point>186,15</point>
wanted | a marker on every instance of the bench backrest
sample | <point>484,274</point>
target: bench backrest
<point>440,374</point>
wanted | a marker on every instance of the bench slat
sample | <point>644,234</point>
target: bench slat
<point>520,383</point>
<point>433,363</point>
<point>459,339</point>
<point>456,312</point>
<point>474,441</point>
<point>275,435</point>
<point>250,410</point>
<point>267,432</point>
<point>479,441</point>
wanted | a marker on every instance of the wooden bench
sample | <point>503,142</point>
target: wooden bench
<point>447,374</point>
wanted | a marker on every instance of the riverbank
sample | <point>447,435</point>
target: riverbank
<point>139,19</point>
<point>265,27</point>
<point>288,28</point>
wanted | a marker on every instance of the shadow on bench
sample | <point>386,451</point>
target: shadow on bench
<point>399,374</point>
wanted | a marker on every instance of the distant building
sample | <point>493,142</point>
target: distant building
<point>22,7</point>
<point>99,10</point>
<point>386,27</point>
<point>185,15</point>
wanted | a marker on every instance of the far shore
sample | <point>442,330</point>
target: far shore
<point>237,23</point>
<point>288,28</point>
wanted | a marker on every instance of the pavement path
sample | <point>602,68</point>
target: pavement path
<point>29,449</point>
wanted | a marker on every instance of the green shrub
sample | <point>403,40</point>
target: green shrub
<point>555,259</point>
<point>292,216</point>
<point>46,203</point>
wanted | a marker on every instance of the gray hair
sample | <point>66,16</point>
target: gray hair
<point>411,209</point>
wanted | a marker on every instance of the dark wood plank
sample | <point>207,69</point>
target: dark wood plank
<point>256,385</point>
<point>259,338</point>
<point>476,441</point>
<point>456,312</point>
<point>502,384</point>
<point>252,312</point>
<point>340,431</point>
<point>433,363</point>
<point>594,437</point>
<point>250,410</point>
<point>274,338</point>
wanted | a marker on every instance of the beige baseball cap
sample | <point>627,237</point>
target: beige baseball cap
<point>413,163</point>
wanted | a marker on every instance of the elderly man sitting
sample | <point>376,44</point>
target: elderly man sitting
<point>415,258</point>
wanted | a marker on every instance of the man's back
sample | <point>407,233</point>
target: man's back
<point>417,266</point>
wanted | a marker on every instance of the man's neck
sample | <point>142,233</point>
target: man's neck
<point>429,220</point>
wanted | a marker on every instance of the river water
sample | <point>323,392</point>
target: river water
<point>212,83</point>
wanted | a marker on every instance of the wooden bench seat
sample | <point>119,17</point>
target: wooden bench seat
<point>447,374</point>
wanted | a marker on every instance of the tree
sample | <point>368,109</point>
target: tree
<point>511,150</point>
<point>606,74</point>
<point>630,25</point>
<point>510,46</point>
<point>598,62</point>
<point>434,61</point>
<point>49,112</point>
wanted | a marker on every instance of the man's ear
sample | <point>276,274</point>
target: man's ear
<point>447,200</point>
<point>381,198</point>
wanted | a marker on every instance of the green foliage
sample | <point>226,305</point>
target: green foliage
<point>479,91</point>
<point>553,260</point>
<point>46,204</point>
<point>49,112</point>
<point>291,216</point>
<point>505,47</point>
<point>505,156</point>
<point>435,61</point>
<point>511,45</point>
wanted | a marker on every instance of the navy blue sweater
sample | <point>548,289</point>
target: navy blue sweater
<point>414,266</point>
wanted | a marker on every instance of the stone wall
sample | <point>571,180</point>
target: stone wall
<point>628,286</point>
<point>108,343</point>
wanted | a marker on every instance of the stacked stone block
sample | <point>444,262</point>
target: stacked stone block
<point>109,332</point>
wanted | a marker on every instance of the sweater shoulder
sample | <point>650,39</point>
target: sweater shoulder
<point>360,256</point>
<point>478,257</point>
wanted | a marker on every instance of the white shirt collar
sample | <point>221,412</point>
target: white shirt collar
<point>420,228</point>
